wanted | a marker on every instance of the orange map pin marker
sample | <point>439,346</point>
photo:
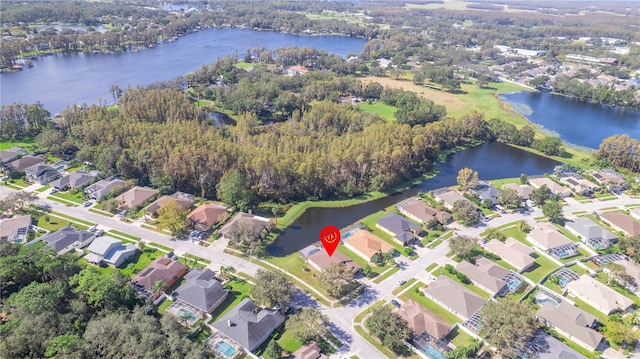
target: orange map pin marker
<point>330,238</point>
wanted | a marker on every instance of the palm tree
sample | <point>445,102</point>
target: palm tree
<point>157,286</point>
<point>185,317</point>
<point>523,226</point>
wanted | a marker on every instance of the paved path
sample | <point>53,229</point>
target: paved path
<point>342,317</point>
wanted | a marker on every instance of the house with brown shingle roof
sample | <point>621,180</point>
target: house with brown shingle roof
<point>321,261</point>
<point>165,269</point>
<point>11,154</point>
<point>421,320</point>
<point>572,322</point>
<point>25,162</point>
<point>421,213</point>
<point>241,219</point>
<point>152,209</point>
<point>611,179</point>
<point>15,229</point>
<point>206,215</point>
<point>598,295</point>
<point>135,197</point>
<point>622,222</point>
<point>553,186</point>
<point>523,191</point>
<point>366,244</point>
<point>454,297</point>
<point>512,252</point>
<point>485,274</point>
<point>449,197</point>
<point>309,351</point>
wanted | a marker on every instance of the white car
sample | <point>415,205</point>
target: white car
<point>401,282</point>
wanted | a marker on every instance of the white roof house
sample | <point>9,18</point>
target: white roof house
<point>109,250</point>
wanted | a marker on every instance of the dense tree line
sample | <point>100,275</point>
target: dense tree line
<point>620,151</point>
<point>584,91</point>
<point>55,308</point>
<point>19,120</point>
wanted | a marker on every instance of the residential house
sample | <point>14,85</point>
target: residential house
<point>307,251</point>
<point>249,325</point>
<point>74,180</point>
<point>621,221</point>
<point>598,295</point>
<point>206,215</point>
<point>321,261</point>
<point>523,191</point>
<point>103,188</point>
<point>513,252</point>
<point>422,320</point>
<point>577,183</point>
<point>449,197</point>
<point>297,70</point>
<point>309,351</point>
<point>11,154</point>
<point>258,224</point>
<point>162,269</point>
<point>16,229</point>
<point>591,233</point>
<point>610,179</point>
<point>366,244</point>
<point>401,229</point>
<point>110,251</point>
<point>421,213</point>
<point>25,162</point>
<point>571,322</point>
<point>67,239</point>
<point>544,346</point>
<point>135,197</point>
<point>41,173</point>
<point>487,275</point>
<point>201,290</point>
<point>633,274</point>
<point>152,209</point>
<point>454,297</point>
<point>554,187</point>
<point>485,191</point>
<point>545,236</point>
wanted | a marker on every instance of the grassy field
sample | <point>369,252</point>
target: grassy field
<point>140,260</point>
<point>360,261</point>
<point>239,289</point>
<point>386,274</point>
<point>540,268</point>
<point>76,198</point>
<point>380,108</point>
<point>247,66</point>
<point>295,265</point>
<point>370,223</point>
<point>24,144</point>
<point>122,234</point>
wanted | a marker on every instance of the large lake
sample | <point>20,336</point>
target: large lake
<point>577,122</point>
<point>61,80</point>
<point>492,161</point>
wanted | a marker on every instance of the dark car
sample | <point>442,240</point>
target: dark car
<point>395,302</point>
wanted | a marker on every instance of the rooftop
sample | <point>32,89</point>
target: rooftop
<point>455,296</point>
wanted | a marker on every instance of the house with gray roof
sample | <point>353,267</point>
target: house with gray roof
<point>11,154</point>
<point>109,250</point>
<point>485,191</point>
<point>74,180</point>
<point>249,325</point>
<point>572,322</point>
<point>67,239</point>
<point>41,173</point>
<point>422,213</point>
<point>449,197</point>
<point>591,233</point>
<point>544,346</point>
<point>201,290</point>
<point>454,297</point>
<point>25,162</point>
<point>103,188</point>
<point>399,228</point>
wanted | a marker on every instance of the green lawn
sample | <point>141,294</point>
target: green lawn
<point>459,338</point>
<point>541,267</point>
<point>27,144</point>
<point>76,198</point>
<point>386,274</point>
<point>516,234</point>
<point>20,183</point>
<point>162,308</point>
<point>295,265</point>
<point>244,65</point>
<point>75,219</point>
<point>238,290</point>
<point>444,314</point>
<point>139,261</point>
<point>359,318</point>
<point>53,224</point>
<point>122,234</point>
<point>360,261</point>
<point>501,182</point>
<point>403,286</point>
<point>370,223</point>
<point>43,188</point>
<point>288,342</point>
<point>380,108</point>
<point>160,246</point>
<point>431,267</point>
<point>589,309</point>
<point>63,201</point>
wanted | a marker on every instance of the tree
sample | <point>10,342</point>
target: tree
<point>465,212</point>
<point>494,233</point>
<point>242,235</point>
<point>308,324</point>
<point>62,345</point>
<point>157,286</point>
<point>523,226</point>
<point>483,80</point>
<point>232,191</point>
<point>509,198</point>
<point>273,350</point>
<point>20,199</point>
<point>464,352</point>
<point>386,325</point>
<point>467,179</point>
<point>507,325</point>
<point>366,270</point>
<point>549,146</point>
<point>616,272</point>
<point>272,289</point>
<point>524,179</point>
<point>104,291</point>
<point>540,195</point>
<point>553,210</point>
<point>629,246</point>
<point>338,280</point>
<point>172,217</point>
<point>618,333</point>
<point>463,246</point>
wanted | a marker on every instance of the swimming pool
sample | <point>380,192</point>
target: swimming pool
<point>224,349</point>
<point>432,352</point>
<point>185,313</point>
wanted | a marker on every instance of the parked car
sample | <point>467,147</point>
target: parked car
<point>87,203</point>
<point>401,281</point>
<point>395,302</point>
<point>53,190</point>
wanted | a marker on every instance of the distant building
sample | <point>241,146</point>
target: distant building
<point>366,244</point>
<point>103,188</point>
<point>152,209</point>
<point>577,183</point>
<point>611,179</point>
<point>257,223</point>
<point>201,290</point>
<point>421,320</point>
<point>11,154</point>
<point>206,215</point>
<point>554,187</point>
<point>162,269</point>
<point>297,70</point>
<point>422,213</point>
<point>74,180</point>
<point>582,59</point>
<point>591,233</point>
<point>523,191</point>
<point>25,162</point>
<point>449,197</point>
<point>399,228</point>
